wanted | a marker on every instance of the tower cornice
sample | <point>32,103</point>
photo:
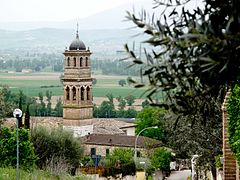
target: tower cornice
<point>77,52</point>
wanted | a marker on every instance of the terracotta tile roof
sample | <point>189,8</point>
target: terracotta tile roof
<point>103,122</point>
<point>100,125</point>
<point>107,130</point>
<point>97,122</point>
<point>120,140</point>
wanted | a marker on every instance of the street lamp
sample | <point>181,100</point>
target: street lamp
<point>17,113</point>
<point>135,147</point>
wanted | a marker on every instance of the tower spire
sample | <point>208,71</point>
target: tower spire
<point>77,36</point>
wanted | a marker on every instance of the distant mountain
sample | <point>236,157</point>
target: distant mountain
<point>109,19</point>
<point>101,42</point>
<point>104,33</point>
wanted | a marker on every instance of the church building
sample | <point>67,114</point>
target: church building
<point>77,81</point>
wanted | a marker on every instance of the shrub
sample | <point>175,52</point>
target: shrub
<point>8,147</point>
<point>120,161</point>
<point>122,82</point>
<point>161,159</point>
<point>56,147</point>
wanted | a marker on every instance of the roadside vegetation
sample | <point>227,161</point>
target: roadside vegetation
<point>10,173</point>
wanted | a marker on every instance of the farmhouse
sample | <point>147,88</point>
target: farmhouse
<point>103,144</point>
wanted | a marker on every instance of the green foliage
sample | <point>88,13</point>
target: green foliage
<point>122,82</point>
<point>55,145</point>
<point>149,168</point>
<point>110,97</point>
<point>122,156</point>
<point>218,161</point>
<point>5,107</point>
<point>194,57</point>
<point>8,148</point>
<point>234,120</point>
<point>42,109</point>
<point>161,159</point>
<point>58,110</point>
<point>188,45</point>
<point>145,104</point>
<point>130,99</point>
<point>130,113</point>
<point>9,174</point>
<point>27,118</point>
<point>49,104</point>
<point>122,102</point>
<point>149,117</point>
<point>107,109</point>
<point>120,161</point>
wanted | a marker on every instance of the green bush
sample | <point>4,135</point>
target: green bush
<point>57,149</point>
<point>8,147</point>
<point>119,162</point>
<point>161,159</point>
<point>218,161</point>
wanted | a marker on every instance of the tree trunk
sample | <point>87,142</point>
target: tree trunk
<point>214,172</point>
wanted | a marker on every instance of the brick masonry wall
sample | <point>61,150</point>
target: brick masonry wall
<point>230,167</point>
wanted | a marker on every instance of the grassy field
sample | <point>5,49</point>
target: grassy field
<point>10,174</point>
<point>33,83</point>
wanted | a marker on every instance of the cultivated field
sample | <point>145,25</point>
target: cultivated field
<point>33,83</point>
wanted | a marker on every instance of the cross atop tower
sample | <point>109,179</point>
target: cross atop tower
<point>77,36</point>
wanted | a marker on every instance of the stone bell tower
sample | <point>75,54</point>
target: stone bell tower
<point>77,81</point>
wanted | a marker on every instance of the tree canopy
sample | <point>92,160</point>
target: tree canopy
<point>194,57</point>
<point>150,117</point>
<point>194,52</point>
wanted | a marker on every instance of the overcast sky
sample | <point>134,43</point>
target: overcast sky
<point>54,10</point>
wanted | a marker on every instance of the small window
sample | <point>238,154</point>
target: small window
<point>74,62</point>
<point>107,152</point>
<point>67,93</point>
<point>88,93</point>
<point>81,62</point>
<point>74,93</point>
<point>82,93</point>
<point>68,61</point>
<point>86,61</point>
<point>93,151</point>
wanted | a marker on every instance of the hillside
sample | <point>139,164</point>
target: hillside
<point>108,40</point>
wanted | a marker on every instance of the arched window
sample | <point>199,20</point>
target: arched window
<point>82,93</point>
<point>74,62</point>
<point>74,93</point>
<point>86,61</point>
<point>67,93</point>
<point>81,62</point>
<point>88,93</point>
<point>68,61</point>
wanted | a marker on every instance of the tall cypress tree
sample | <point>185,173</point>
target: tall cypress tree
<point>27,118</point>
<point>20,124</point>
